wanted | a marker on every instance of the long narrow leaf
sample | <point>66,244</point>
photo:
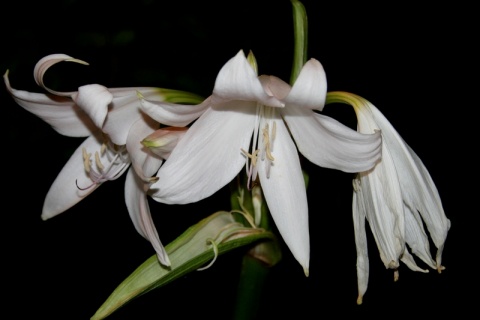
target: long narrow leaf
<point>198,245</point>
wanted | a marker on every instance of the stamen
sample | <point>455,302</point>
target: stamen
<point>103,148</point>
<point>215,251</point>
<point>253,156</point>
<point>266,139</point>
<point>98,162</point>
<point>86,160</point>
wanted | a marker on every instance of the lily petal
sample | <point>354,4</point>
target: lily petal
<point>175,115</point>
<point>284,188</point>
<point>208,156</point>
<point>359,218</point>
<point>66,190</point>
<point>310,88</point>
<point>238,81</point>
<point>61,113</point>
<point>330,144</point>
<point>139,210</point>
<point>418,189</point>
<point>125,110</point>
<point>94,99</point>
<point>138,152</point>
<point>45,63</point>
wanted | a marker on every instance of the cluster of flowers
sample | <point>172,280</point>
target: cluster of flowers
<point>178,148</point>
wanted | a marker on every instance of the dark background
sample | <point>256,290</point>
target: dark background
<point>414,63</point>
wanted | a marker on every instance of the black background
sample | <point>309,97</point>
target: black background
<point>413,62</point>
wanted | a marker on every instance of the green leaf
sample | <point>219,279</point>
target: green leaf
<point>300,33</point>
<point>198,245</point>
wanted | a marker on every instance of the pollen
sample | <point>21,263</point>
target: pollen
<point>86,160</point>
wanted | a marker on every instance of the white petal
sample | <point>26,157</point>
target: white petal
<point>384,210</point>
<point>285,194</point>
<point>138,152</point>
<point>330,144</point>
<point>171,114</point>
<point>407,258</point>
<point>94,99</point>
<point>45,63</point>
<point>64,192</point>
<point>238,81</point>
<point>59,112</point>
<point>359,216</point>
<point>418,189</point>
<point>310,88</point>
<point>139,210</point>
<point>208,156</point>
<point>416,237</point>
<point>125,110</point>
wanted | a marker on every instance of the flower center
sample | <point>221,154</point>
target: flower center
<point>110,163</point>
<point>265,149</point>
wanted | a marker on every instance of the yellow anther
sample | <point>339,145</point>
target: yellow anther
<point>86,159</point>
<point>103,148</point>
<point>253,156</point>
<point>98,162</point>
<point>274,130</point>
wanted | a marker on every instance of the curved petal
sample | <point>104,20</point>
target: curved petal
<point>61,113</point>
<point>94,99</point>
<point>138,152</point>
<point>175,115</point>
<point>310,88</point>
<point>125,110</point>
<point>284,188</point>
<point>330,144</point>
<point>275,86</point>
<point>208,156</point>
<point>419,192</point>
<point>65,191</point>
<point>139,211</point>
<point>238,81</point>
<point>45,63</point>
<point>384,209</point>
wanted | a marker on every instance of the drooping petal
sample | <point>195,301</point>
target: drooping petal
<point>45,63</point>
<point>139,210</point>
<point>419,192</point>
<point>67,189</point>
<point>359,219</point>
<point>238,81</point>
<point>416,237</point>
<point>208,156</point>
<point>330,144</point>
<point>61,113</point>
<point>384,209</point>
<point>94,99</point>
<point>310,88</point>
<point>284,188</point>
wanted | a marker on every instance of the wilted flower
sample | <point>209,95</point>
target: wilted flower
<point>396,197</point>
<point>219,144</point>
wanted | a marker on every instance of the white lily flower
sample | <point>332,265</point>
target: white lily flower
<point>215,148</point>
<point>114,125</point>
<point>396,197</point>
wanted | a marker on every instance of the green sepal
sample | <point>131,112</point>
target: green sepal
<point>189,252</point>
